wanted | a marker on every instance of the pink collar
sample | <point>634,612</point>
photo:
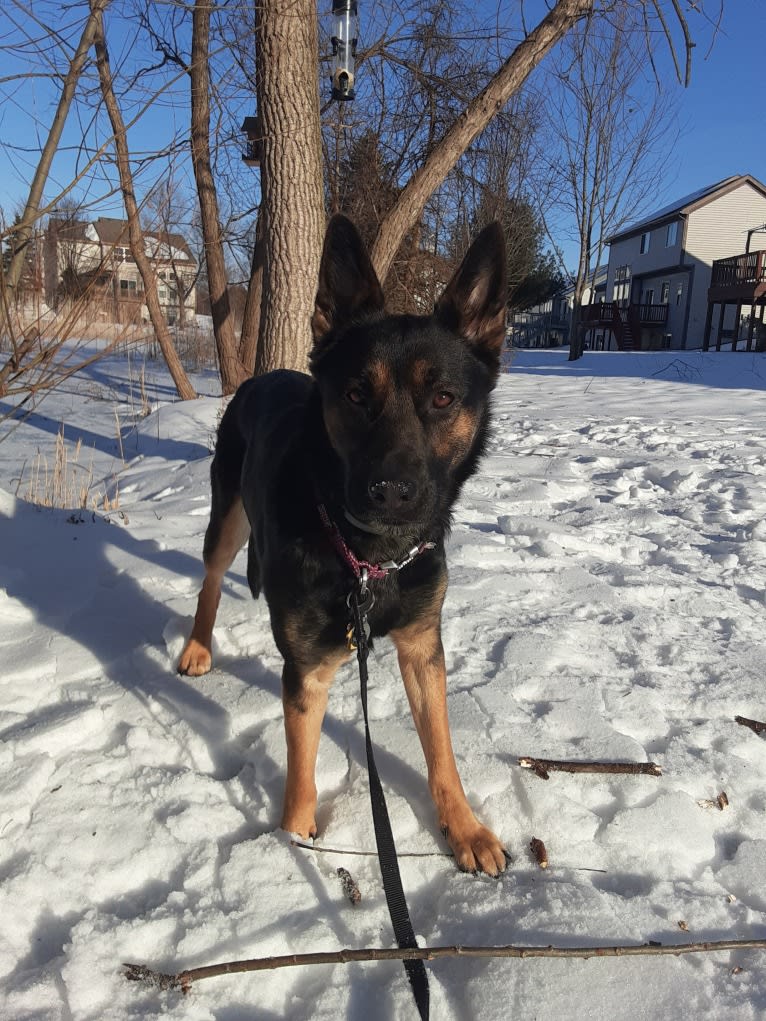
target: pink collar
<point>363,569</point>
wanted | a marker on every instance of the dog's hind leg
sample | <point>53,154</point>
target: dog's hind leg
<point>226,535</point>
<point>304,698</point>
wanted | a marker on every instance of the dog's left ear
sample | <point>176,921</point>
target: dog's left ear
<point>473,302</point>
<point>348,286</point>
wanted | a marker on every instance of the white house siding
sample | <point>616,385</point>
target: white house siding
<point>714,231</point>
<point>627,252</point>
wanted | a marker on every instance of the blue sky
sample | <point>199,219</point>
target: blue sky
<point>721,115</point>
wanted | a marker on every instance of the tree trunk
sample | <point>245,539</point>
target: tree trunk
<point>291,179</point>
<point>251,317</point>
<point>23,233</point>
<point>576,338</point>
<point>135,233</point>
<point>232,371</point>
<point>479,112</point>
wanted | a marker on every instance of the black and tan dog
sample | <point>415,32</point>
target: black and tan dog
<point>361,463</point>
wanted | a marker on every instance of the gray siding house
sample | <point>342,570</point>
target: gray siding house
<point>659,270</point>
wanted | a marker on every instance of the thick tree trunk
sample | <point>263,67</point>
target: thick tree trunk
<point>479,112</point>
<point>291,179</point>
<point>135,233</point>
<point>23,233</point>
<point>232,371</point>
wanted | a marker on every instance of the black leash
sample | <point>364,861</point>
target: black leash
<point>360,602</point>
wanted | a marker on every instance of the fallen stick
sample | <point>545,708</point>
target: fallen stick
<point>369,854</point>
<point>413,854</point>
<point>543,766</point>
<point>184,979</point>
<point>538,849</point>
<point>756,725</point>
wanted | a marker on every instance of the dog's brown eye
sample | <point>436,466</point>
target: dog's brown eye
<point>355,395</point>
<point>443,399</point>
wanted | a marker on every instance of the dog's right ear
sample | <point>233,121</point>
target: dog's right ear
<point>348,286</point>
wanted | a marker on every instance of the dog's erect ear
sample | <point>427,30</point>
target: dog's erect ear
<point>473,302</point>
<point>348,287</point>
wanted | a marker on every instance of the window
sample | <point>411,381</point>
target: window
<point>679,293</point>
<point>127,286</point>
<point>671,234</point>
<point>649,296</point>
<point>621,288</point>
<point>645,238</point>
<point>665,294</point>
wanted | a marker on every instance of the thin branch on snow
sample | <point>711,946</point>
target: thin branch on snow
<point>183,979</point>
<point>543,766</point>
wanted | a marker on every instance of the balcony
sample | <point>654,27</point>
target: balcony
<point>625,322</point>
<point>738,278</point>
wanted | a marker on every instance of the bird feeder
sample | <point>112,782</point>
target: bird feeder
<point>343,39</point>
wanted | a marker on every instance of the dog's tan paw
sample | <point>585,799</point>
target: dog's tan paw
<point>477,849</point>
<point>195,659</point>
<point>303,825</point>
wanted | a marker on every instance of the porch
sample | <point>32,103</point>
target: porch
<point>738,280</point>
<point>625,322</point>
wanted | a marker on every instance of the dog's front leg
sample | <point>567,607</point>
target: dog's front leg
<point>304,699</point>
<point>421,661</point>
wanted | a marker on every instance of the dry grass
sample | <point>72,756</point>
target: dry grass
<point>65,483</point>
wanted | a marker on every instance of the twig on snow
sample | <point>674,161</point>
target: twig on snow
<point>542,767</point>
<point>410,854</point>
<point>721,802</point>
<point>755,725</point>
<point>184,979</point>
<point>537,847</point>
<point>369,854</point>
<point>348,883</point>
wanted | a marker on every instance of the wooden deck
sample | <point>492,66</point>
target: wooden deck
<point>738,279</point>
<point>625,322</point>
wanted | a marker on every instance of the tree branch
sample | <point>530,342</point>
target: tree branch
<point>184,979</point>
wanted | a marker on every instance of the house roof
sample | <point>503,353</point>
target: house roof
<point>111,231</point>
<point>688,203</point>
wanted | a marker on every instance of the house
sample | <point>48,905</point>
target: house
<point>91,260</point>
<point>661,269</point>
<point>547,324</point>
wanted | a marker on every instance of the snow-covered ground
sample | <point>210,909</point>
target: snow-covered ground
<point>608,572</point>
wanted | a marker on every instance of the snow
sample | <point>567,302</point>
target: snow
<point>608,580</point>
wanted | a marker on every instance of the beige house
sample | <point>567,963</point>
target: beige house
<point>91,260</point>
<point>661,269</point>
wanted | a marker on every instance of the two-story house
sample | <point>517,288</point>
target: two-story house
<point>92,260</point>
<point>660,268</point>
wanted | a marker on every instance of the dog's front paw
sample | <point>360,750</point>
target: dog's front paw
<point>476,848</point>
<point>195,659</point>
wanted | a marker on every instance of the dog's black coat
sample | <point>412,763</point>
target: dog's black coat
<point>384,433</point>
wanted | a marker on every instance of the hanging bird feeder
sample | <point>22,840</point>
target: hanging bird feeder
<point>343,38</point>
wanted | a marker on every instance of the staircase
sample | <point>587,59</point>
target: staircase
<point>626,328</point>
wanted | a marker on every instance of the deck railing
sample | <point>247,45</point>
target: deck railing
<point>739,269</point>
<point>607,311</point>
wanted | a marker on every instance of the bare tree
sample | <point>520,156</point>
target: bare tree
<point>135,233</point>
<point>615,126</point>
<point>25,227</point>
<point>231,369</point>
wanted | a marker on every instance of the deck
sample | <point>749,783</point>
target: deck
<point>738,279</point>
<point>625,322</point>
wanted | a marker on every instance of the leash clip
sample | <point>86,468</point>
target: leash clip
<point>360,601</point>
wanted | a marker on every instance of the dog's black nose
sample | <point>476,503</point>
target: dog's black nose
<point>392,494</point>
